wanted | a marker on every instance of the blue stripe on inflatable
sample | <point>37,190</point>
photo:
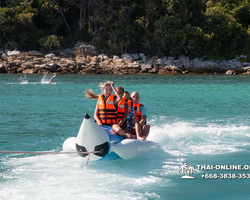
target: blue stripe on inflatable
<point>114,139</point>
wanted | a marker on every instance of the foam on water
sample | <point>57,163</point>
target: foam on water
<point>23,80</point>
<point>182,138</point>
<point>64,177</point>
<point>45,80</point>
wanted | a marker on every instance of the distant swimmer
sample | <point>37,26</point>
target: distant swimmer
<point>52,78</point>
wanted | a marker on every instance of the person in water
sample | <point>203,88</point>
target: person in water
<point>141,114</point>
<point>52,78</point>
<point>132,123</point>
<point>106,111</point>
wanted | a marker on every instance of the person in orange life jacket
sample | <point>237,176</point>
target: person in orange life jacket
<point>141,114</point>
<point>132,123</point>
<point>105,111</point>
<point>122,108</point>
<point>126,95</point>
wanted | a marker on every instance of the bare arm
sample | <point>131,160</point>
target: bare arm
<point>118,97</point>
<point>125,115</point>
<point>143,115</point>
<point>143,120</point>
<point>98,121</point>
<point>52,78</point>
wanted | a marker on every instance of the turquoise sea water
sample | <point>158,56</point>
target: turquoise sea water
<point>199,120</point>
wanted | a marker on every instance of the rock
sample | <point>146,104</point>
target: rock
<point>153,71</point>
<point>177,63</point>
<point>149,62</point>
<point>135,56</point>
<point>85,50</point>
<point>127,58</point>
<point>159,62</point>
<point>146,68</point>
<point>27,65</point>
<point>245,64</point>
<point>133,71</point>
<point>154,58</point>
<point>170,69</point>
<point>134,65</point>
<point>223,64</point>
<point>34,53</point>
<point>13,53</point>
<point>162,62</point>
<point>40,66</point>
<point>118,61</point>
<point>247,72</point>
<point>230,72</point>
<point>29,71</point>
<point>104,71</point>
<point>168,62</point>
<point>51,55</point>
<point>88,70</point>
<point>196,63</point>
<point>185,62</point>
<point>3,68</point>
<point>80,60</point>
<point>212,65</point>
<point>143,57</point>
<point>94,59</point>
<point>87,61</point>
<point>5,56</point>
<point>67,53</point>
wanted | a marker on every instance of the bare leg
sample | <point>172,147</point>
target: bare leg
<point>145,131</point>
<point>130,135</point>
<point>117,129</point>
<point>138,130</point>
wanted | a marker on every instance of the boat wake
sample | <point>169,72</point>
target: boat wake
<point>183,138</point>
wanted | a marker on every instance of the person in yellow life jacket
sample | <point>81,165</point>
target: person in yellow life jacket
<point>106,111</point>
<point>141,114</point>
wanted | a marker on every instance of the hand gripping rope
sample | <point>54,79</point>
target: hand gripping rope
<point>51,152</point>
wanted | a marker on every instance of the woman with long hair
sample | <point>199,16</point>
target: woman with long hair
<point>106,107</point>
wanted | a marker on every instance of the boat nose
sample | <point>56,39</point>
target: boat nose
<point>92,138</point>
<point>86,116</point>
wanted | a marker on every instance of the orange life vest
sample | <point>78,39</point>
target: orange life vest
<point>107,111</point>
<point>138,109</point>
<point>120,110</point>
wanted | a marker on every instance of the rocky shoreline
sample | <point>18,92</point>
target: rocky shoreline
<point>85,60</point>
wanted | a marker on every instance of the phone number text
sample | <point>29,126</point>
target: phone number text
<point>226,176</point>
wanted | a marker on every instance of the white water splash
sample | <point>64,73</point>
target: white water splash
<point>24,80</point>
<point>182,138</point>
<point>63,177</point>
<point>45,79</point>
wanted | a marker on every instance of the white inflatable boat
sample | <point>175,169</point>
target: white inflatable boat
<point>104,143</point>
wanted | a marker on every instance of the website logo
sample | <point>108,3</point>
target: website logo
<point>187,170</point>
